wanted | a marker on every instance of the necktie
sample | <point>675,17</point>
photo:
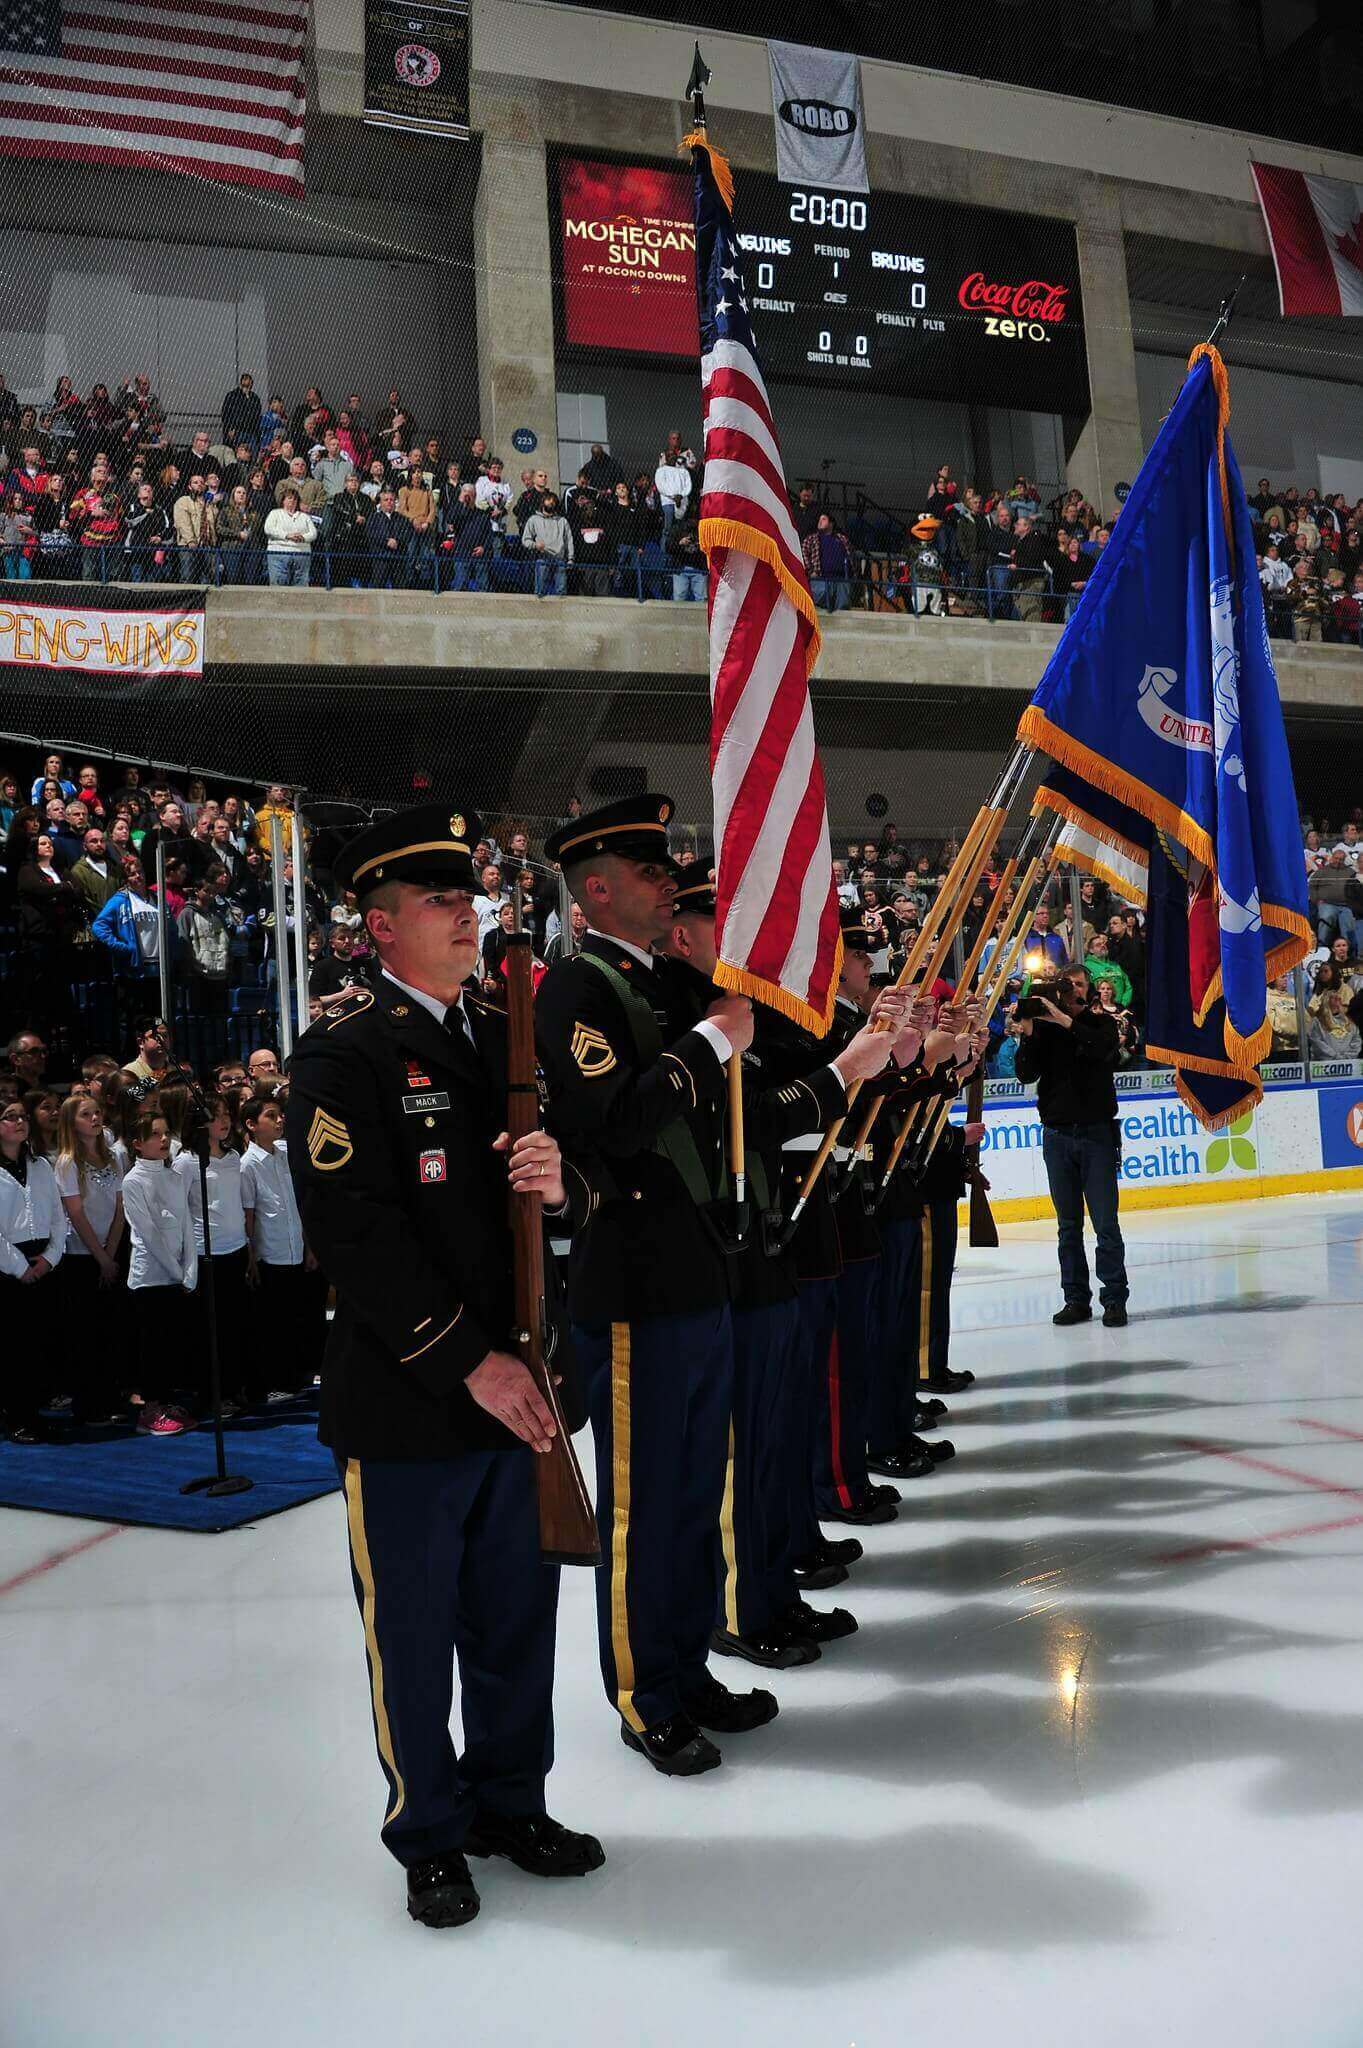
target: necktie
<point>457,1024</point>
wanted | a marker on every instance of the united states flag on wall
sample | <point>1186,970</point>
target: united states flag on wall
<point>216,89</point>
<point>776,922</point>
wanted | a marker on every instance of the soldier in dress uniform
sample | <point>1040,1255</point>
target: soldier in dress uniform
<point>762,1615</point>
<point>398,1153</point>
<point>636,1091</point>
<point>943,1181</point>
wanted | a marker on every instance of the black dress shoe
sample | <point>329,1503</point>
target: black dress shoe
<point>1114,1316</point>
<point>769,1646</point>
<point>927,1415</point>
<point>441,1893</point>
<point>817,1576</point>
<point>948,1382</point>
<point>818,1627</point>
<point>939,1451</point>
<point>908,1463</point>
<point>1072,1312</point>
<point>730,1713</point>
<point>534,1842</point>
<point>867,1509</point>
<point>843,1549</point>
<point>886,1493</point>
<point>676,1747</point>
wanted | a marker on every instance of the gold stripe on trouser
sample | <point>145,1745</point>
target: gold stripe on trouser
<point>620,1479</point>
<point>727,1543</point>
<point>925,1302</point>
<point>364,1571</point>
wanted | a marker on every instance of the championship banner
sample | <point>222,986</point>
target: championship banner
<point>155,639</point>
<point>416,67</point>
<point>820,121</point>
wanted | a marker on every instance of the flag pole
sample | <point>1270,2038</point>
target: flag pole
<point>695,86</point>
<point>947,910</point>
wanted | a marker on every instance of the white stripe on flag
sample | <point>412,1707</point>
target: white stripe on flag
<point>63,73</point>
<point>111,136</point>
<point>732,355</point>
<point>804,949</point>
<point>752,898</point>
<point>749,718</point>
<point>275,128</point>
<point>744,419</point>
<point>738,480</point>
<point>731,588</point>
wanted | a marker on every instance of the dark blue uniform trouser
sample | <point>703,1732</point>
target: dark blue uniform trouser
<point>754,1524</point>
<point>659,1392</point>
<point>843,1388</point>
<point>818,1306</point>
<point>1082,1164</point>
<point>894,1380</point>
<point>446,1563</point>
<point>931,1333</point>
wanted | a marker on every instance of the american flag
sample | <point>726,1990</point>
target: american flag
<point>216,89</point>
<point>776,922</point>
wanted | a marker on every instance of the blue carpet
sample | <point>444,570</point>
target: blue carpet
<point>137,1479</point>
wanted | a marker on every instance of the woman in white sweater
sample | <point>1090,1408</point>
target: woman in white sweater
<point>162,1277</point>
<point>289,535</point>
<point>32,1239</point>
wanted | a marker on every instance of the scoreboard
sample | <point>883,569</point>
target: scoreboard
<point>889,292</point>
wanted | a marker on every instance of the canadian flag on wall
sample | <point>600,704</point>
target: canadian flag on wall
<point>1315,230</point>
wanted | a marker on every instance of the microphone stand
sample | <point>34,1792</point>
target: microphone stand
<point>220,1481</point>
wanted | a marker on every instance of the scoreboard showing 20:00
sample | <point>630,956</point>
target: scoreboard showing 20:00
<point>886,291</point>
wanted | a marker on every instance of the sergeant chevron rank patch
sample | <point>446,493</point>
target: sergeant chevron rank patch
<point>329,1145</point>
<point>592,1052</point>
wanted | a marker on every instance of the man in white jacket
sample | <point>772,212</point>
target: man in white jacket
<point>289,535</point>
<point>672,481</point>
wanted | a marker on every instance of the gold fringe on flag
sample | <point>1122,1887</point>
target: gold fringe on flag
<point>733,533</point>
<point>719,163</point>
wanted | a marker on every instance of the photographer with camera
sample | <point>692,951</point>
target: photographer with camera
<point>1070,1047</point>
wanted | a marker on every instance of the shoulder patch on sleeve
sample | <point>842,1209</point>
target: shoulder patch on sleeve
<point>592,1051</point>
<point>329,1146</point>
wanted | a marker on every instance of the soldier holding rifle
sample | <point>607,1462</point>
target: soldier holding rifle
<point>399,1154</point>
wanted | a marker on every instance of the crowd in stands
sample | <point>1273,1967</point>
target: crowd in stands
<point>353,495</point>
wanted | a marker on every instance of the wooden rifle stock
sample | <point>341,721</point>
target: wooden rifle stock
<point>984,1231</point>
<point>568,1533</point>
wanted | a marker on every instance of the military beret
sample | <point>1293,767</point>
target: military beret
<point>430,845</point>
<point>635,828</point>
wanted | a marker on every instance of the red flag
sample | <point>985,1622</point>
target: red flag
<point>1315,230</point>
<point>776,919</point>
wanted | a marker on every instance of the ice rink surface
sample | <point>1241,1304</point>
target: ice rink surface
<point>1092,1768</point>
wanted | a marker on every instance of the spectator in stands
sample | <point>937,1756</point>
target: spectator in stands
<point>487,907</point>
<point>54,770</point>
<point>601,469</point>
<point>690,572</point>
<point>289,535</point>
<point>493,495</point>
<point>996,555</point>
<point>92,876</point>
<point>1281,1009</point>
<point>1041,943</point>
<point>416,503</point>
<point>1103,969</point>
<point>1310,606</point>
<point>1345,613</point>
<point>347,532</point>
<point>594,541</point>
<point>1333,1032</point>
<point>1335,898</point>
<point>467,539</point>
<point>672,481</point>
<point>148,538</point>
<point>195,530</point>
<point>391,540</point>
<point>1031,567</point>
<point>128,926</point>
<point>351,437</point>
<point>241,413</point>
<point>312,493</point>
<point>238,536</point>
<point>203,929</point>
<point>828,559</point>
<point>16,539</point>
<point>49,907</point>
<point>53,527</point>
<point>548,539</point>
<point>332,466</point>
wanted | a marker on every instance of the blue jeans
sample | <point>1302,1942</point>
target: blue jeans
<point>831,593</point>
<point>996,581</point>
<point>468,572</point>
<point>551,572</point>
<point>196,565</point>
<point>17,567</point>
<point>1337,917</point>
<point>287,568</point>
<point>690,583</point>
<point>1082,1162</point>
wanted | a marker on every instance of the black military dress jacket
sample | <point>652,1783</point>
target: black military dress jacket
<point>390,1124</point>
<point>649,1248</point>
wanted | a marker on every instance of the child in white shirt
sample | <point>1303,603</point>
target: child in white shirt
<point>289,1277</point>
<point>163,1276</point>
